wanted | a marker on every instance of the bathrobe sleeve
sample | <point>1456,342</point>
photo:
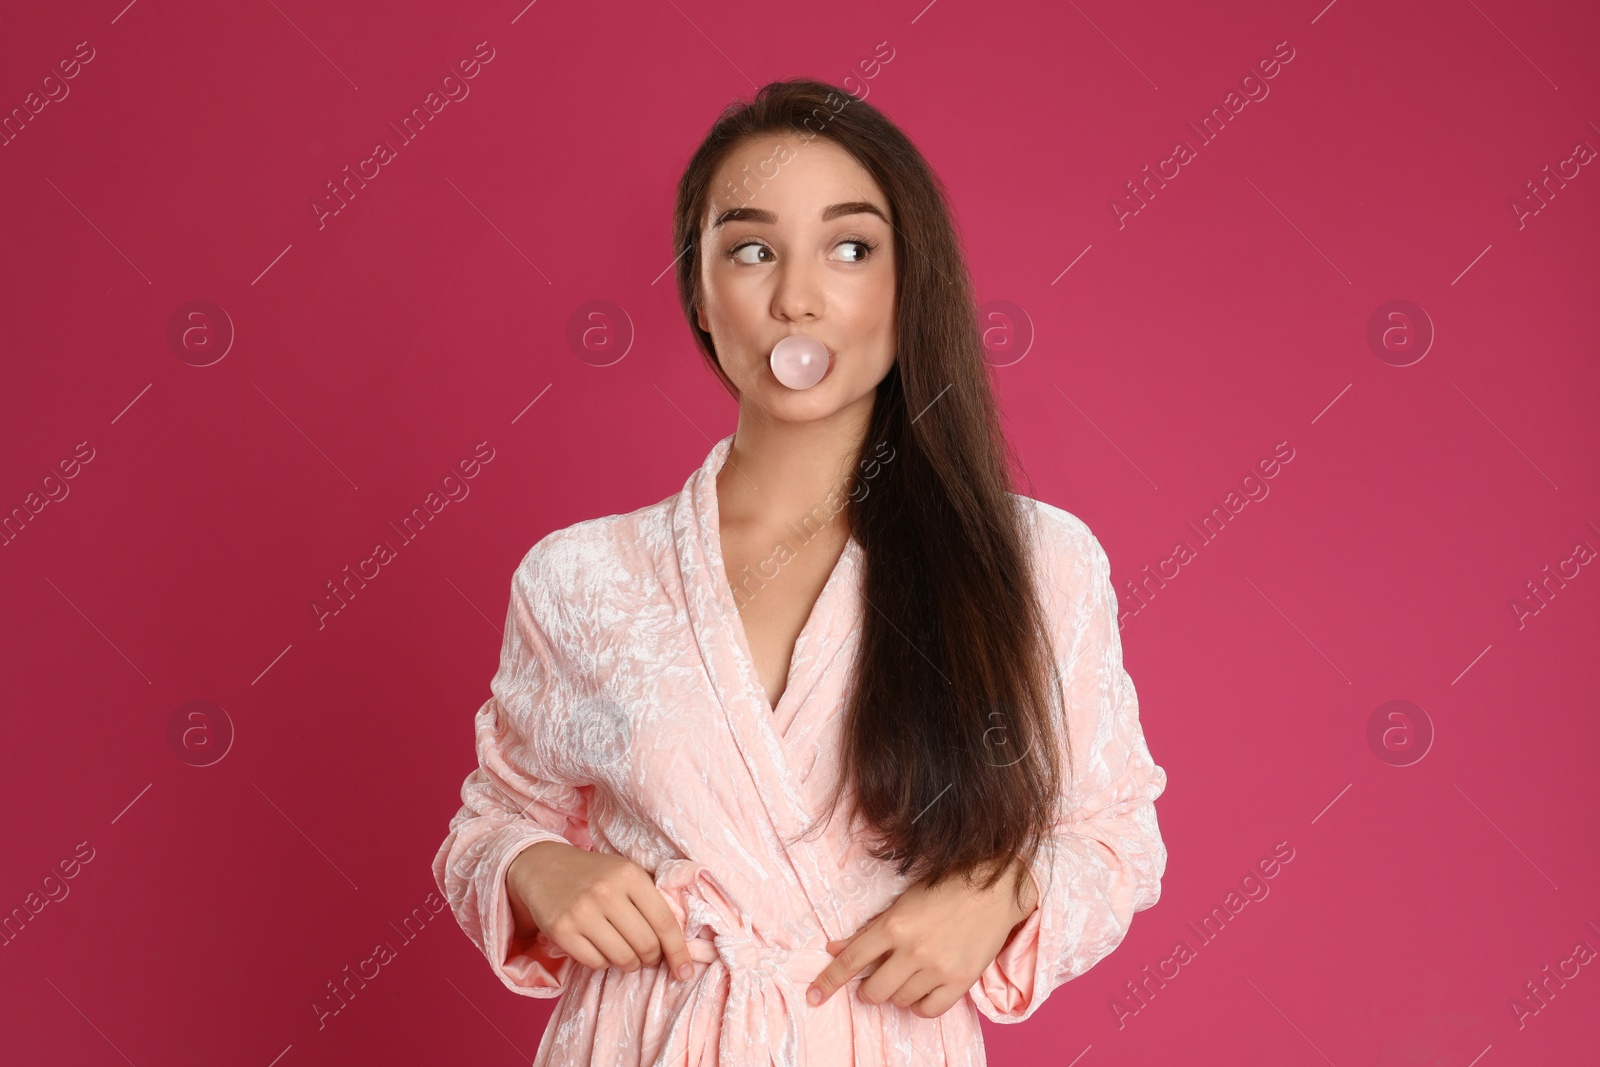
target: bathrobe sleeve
<point>1106,858</point>
<point>512,800</point>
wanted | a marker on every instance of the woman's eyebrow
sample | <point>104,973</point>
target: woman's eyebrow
<point>829,213</point>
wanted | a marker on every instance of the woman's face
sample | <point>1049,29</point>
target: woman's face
<point>808,249</point>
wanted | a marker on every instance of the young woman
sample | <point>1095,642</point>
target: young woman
<point>845,600</point>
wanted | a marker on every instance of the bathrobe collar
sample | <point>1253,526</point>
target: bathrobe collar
<point>769,739</point>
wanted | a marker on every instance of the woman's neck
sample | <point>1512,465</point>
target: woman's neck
<point>778,472</point>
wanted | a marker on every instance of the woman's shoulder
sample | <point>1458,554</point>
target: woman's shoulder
<point>564,557</point>
<point>1070,557</point>
<point>1057,527</point>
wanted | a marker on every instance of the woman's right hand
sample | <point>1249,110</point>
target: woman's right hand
<point>602,910</point>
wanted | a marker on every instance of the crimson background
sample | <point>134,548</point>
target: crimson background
<point>372,353</point>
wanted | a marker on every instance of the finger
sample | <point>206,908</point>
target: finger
<point>941,1000</point>
<point>913,989</point>
<point>612,945</point>
<point>653,906</point>
<point>892,973</point>
<point>866,946</point>
<point>581,949</point>
<point>636,930</point>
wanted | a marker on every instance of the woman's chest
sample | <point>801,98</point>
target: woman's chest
<point>666,719</point>
<point>776,583</point>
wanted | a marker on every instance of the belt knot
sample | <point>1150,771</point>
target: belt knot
<point>741,952</point>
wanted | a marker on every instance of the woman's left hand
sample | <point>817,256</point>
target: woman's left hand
<point>937,943</point>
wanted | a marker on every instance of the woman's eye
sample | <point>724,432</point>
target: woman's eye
<point>865,247</point>
<point>738,255</point>
<point>751,253</point>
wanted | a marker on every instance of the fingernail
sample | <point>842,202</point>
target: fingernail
<point>684,970</point>
<point>814,997</point>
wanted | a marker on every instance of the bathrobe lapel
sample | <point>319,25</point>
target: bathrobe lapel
<point>772,756</point>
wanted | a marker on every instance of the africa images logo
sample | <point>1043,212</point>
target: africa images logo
<point>455,90</point>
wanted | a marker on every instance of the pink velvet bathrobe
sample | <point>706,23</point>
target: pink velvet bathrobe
<point>627,717</point>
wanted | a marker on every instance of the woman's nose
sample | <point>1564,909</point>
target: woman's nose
<point>798,294</point>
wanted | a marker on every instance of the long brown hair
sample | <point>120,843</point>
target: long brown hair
<point>950,737</point>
